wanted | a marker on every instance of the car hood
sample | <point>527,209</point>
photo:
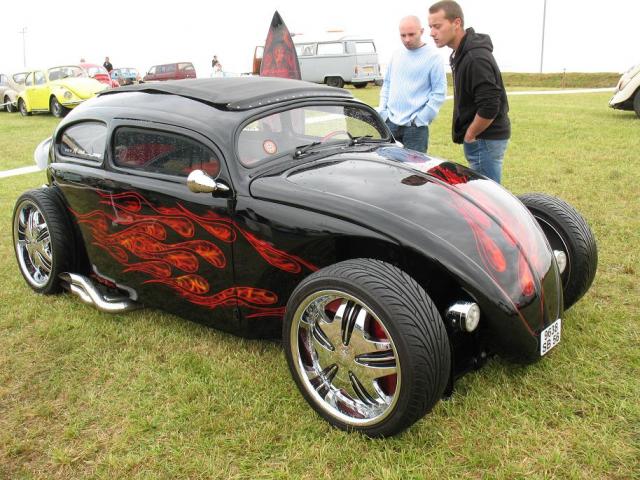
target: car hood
<point>82,87</point>
<point>478,230</point>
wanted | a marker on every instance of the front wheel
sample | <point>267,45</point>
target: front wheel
<point>567,232</point>
<point>366,346</point>
<point>42,238</point>
<point>56,108</point>
<point>23,108</point>
<point>335,82</point>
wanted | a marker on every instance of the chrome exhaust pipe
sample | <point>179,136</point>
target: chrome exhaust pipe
<point>89,293</point>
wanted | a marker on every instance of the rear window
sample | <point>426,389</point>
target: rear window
<point>85,140</point>
<point>162,152</point>
<point>330,48</point>
<point>185,66</point>
<point>365,47</point>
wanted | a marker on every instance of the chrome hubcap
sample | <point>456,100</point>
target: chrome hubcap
<point>33,244</point>
<point>345,357</point>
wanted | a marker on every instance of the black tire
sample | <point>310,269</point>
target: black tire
<point>56,108</point>
<point>337,82</point>
<point>9,107</point>
<point>42,239</point>
<point>360,85</point>
<point>398,314</point>
<point>378,83</point>
<point>568,231</point>
<point>23,108</point>
<point>636,103</point>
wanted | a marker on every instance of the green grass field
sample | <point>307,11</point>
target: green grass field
<point>85,394</point>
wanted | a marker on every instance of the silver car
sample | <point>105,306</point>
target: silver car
<point>10,86</point>
<point>627,94</point>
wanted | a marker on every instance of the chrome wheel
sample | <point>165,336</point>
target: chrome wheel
<point>345,357</point>
<point>33,244</point>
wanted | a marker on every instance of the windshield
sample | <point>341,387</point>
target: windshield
<point>66,71</point>
<point>96,70</point>
<point>283,133</point>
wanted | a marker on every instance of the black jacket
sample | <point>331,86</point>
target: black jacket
<point>478,88</point>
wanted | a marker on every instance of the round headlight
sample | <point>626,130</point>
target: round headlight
<point>68,94</point>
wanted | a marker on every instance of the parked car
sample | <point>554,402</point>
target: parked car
<point>268,206</point>
<point>126,76</point>
<point>346,60</point>
<point>170,71</point>
<point>10,86</point>
<point>99,73</point>
<point>56,90</point>
<point>627,94</point>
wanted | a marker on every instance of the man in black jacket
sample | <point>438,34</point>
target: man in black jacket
<point>480,107</point>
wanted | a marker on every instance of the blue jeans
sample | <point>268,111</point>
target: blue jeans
<point>411,136</point>
<point>485,157</point>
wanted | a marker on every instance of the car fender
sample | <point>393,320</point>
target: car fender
<point>627,86</point>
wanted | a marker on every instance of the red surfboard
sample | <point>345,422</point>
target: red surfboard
<point>279,58</point>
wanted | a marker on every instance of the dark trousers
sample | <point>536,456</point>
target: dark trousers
<point>411,136</point>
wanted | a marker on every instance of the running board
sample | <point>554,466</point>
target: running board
<point>92,294</point>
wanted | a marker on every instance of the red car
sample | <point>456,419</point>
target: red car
<point>171,71</point>
<point>99,73</point>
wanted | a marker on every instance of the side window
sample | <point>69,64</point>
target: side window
<point>185,66</point>
<point>330,48</point>
<point>29,80</point>
<point>19,78</point>
<point>365,47</point>
<point>40,80</point>
<point>162,152</point>
<point>152,71</point>
<point>305,50</point>
<point>85,140</point>
<point>169,68</point>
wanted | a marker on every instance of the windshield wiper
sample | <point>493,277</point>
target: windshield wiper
<point>360,139</point>
<point>302,149</point>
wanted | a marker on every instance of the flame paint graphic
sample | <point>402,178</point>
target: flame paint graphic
<point>141,246</point>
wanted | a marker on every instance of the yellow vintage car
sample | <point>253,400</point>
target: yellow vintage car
<point>57,90</point>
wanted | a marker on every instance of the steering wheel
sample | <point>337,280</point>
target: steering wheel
<point>333,134</point>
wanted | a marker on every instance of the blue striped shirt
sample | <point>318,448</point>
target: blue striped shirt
<point>414,86</point>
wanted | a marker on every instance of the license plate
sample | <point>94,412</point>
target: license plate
<point>368,69</point>
<point>550,337</point>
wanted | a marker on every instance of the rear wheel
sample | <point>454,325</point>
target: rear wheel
<point>56,109</point>
<point>567,232</point>
<point>366,346</point>
<point>636,103</point>
<point>23,108</point>
<point>335,82</point>
<point>42,238</point>
<point>10,107</point>
<point>360,85</point>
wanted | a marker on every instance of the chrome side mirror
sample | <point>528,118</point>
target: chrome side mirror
<point>200,182</point>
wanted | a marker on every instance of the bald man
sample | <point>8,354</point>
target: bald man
<point>414,87</point>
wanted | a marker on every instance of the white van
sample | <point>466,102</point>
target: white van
<point>346,60</point>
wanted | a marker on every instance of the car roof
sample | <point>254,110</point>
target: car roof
<point>239,93</point>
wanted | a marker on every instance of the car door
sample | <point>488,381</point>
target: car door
<point>40,92</point>
<point>147,232</point>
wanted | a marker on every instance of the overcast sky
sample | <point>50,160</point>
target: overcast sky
<point>580,35</point>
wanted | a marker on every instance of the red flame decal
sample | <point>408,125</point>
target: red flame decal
<point>143,236</point>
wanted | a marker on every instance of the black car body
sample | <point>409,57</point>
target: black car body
<point>233,257</point>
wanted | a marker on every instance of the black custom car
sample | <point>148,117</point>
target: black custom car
<point>269,207</point>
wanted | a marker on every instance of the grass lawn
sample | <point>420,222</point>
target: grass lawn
<point>149,395</point>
